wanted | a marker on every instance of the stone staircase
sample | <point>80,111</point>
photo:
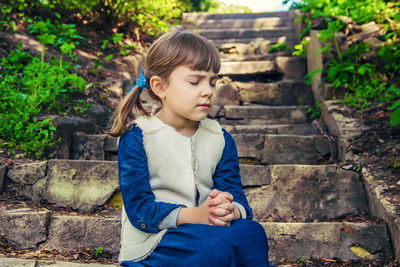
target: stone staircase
<point>309,206</point>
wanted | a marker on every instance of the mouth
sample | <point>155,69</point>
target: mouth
<point>204,105</point>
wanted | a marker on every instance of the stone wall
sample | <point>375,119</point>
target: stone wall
<point>347,129</point>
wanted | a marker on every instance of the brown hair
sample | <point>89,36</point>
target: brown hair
<point>171,50</point>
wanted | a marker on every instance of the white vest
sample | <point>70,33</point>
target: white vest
<point>177,166</point>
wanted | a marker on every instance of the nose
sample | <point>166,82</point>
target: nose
<point>208,90</point>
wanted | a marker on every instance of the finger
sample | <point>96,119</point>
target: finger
<point>227,195</point>
<point>218,200</point>
<point>214,193</point>
<point>219,212</point>
<point>215,221</point>
<point>227,219</point>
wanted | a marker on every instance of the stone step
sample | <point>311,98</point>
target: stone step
<point>70,183</point>
<point>330,240</point>
<point>223,43</point>
<point>286,240</point>
<point>303,193</point>
<point>16,262</point>
<point>252,23</point>
<point>282,93</point>
<point>285,149</point>
<point>245,33</point>
<point>293,68</point>
<point>297,129</point>
<point>263,115</point>
<point>206,16</point>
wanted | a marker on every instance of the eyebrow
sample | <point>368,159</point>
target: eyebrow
<point>202,76</point>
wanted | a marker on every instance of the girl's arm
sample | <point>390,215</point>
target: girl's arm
<point>227,177</point>
<point>143,211</point>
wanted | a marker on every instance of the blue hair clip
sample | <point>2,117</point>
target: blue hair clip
<point>141,81</point>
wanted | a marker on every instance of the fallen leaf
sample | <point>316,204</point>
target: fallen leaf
<point>361,252</point>
<point>347,228</point>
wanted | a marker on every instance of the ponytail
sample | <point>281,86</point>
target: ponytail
<point>124,110</point>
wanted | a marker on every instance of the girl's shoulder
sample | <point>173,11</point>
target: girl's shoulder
<point>211,126</point>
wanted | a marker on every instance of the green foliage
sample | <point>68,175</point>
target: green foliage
<point>361,11</point>
<point>63,36</point>
<point>301,49</point>
<point>278,47</point>
<point>364,81</point>
<point>98,251</point>
<point>29,87</point>
<point>314,112</point>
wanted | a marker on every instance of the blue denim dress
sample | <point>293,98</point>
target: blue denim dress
<point>243,243</point>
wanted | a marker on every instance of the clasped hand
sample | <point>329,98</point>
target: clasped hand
<point>221,211</point>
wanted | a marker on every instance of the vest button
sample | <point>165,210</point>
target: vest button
<point>143,226</point>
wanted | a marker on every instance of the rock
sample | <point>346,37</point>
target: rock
<point>3,169</point>
<point>249,145</point>
<point>255,175</point>
<point>82,185</point>
<point>98,114</point>
<point>116,87</point>
<point>24,228</point>
<point>111,144</point>
<point>227,94</point>
<point>293,68</point>
<point>15,262</point>
<point>345,19</point>
<point>299,193</point>
<point>374,42</point>
<point>88,147</point>
<point>73,232</point>
<point>367,30</point>
<point>329,240</point>
<point>260,93</point>
<point>247,67</point>
<point>293,149</point>
<point>29,173</point>
<point>319,23</point>
<point>66,126</point>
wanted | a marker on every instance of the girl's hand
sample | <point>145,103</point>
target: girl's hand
<point>221,211</point>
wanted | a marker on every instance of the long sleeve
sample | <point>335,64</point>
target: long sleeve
<point>227,176</point>
<point>143,211</point>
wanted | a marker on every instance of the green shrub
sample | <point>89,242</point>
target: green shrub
<point>29,87</point>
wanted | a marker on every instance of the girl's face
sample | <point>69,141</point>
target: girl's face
<point>189,95</point>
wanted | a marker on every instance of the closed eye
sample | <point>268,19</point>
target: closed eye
<point>194,83</point>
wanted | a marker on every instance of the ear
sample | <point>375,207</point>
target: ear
<point>157,84</point>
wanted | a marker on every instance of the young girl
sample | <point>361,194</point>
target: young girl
<point>178,170</point>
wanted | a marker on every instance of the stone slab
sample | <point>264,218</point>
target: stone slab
<point>256,23</point>
<point>299,193</point>
<point>284,93</point>
<point>249,145</point>
<point>111,144</point>
<point>299,129</point>
<point>293,68</point>
<point>267,114</point>
<point>381,207</point>
<point>24,228</point>
<point>194,16</point>
<point>16,262</point>
<point>28,173</point>
<point>244,33</point>
<point>79,184</point>
<point>247,67</point>
<point>3,169</point>
<point>297,149</point>
<point>88,147</point>
<point>73,232</point>
<point>220,43</point>
<point>255,175</point>
<point>328,240</point>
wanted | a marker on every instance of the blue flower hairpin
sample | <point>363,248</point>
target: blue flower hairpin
<point>141,81</point>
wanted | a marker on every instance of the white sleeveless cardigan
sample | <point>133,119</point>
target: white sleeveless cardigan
<point>177,166</point>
